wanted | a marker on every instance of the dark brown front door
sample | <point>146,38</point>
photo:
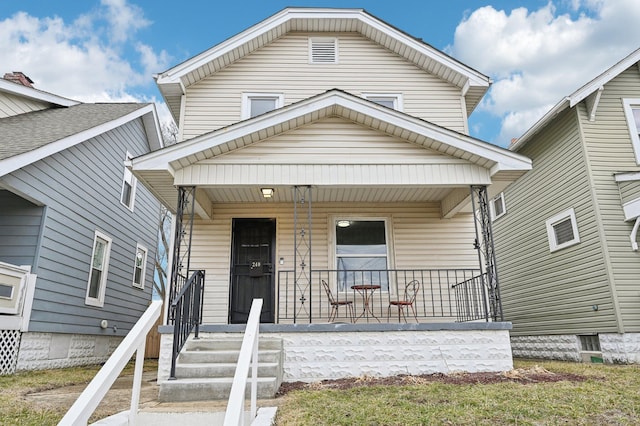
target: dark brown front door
<point>252,277</point>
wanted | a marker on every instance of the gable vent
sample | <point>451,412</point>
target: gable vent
<point>323,50</point>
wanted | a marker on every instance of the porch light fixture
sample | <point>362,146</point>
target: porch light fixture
<point>343,223</point>
<point>267,192</point>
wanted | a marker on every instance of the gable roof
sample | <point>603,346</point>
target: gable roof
<point>29,137</point>
<point>590,91</point>
<point>158,169</point>
<point>172,83</point>
<point>34,94</point>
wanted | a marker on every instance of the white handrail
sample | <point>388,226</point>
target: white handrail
<point>135,340</point>
<point>248,355</point>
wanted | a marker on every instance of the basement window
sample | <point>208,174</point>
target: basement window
<point>562,230</point>
<point>590,343</point>
<point>323,50</point>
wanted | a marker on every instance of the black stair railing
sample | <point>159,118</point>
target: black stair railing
<point>187,314</point>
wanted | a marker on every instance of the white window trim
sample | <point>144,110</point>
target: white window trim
<point>553,245</point>
<point>99,301</point>
<point>323,39</point>
<point>144,267</point>
<point>245,112</point>
<point>398,101</point>
<point>387,234</point>
<point>629,105</point>
<point>492,207</point>
<point>128,177</point>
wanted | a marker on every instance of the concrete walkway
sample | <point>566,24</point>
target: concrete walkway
<point>151,411</point>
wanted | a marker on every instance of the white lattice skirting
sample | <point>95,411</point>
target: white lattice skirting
<point>9,347</point>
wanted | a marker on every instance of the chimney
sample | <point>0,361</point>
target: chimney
<point>19,78</point>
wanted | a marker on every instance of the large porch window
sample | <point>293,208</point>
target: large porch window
<point>361,253</point>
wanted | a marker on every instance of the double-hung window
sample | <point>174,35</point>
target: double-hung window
<point>98,272</point>
<point>254,104</point>
<point>497,207</point>
<point>632,114</point>
<point>562,230</point>
<point>139,266</point>
<point>128,193</point>
<point>361,253</point>
<point>390,100</point>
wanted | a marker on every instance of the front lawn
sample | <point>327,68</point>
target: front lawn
<point>585,394</point>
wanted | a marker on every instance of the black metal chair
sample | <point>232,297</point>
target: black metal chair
<point>335,304</point>
<point>408,300</point>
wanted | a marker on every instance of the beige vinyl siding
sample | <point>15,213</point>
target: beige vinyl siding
<point>11,105</point>
<point>282,67</point>
<point>610,151</point>
<point>419,239</point>
<point>545,292</point>
<point>629,191</point>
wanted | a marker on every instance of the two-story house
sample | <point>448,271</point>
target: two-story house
<point>566,232</point>
<point>325,165</point>
<point>77,234</point>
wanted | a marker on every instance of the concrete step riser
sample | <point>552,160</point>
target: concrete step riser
<point>176,391</point>
<point>215,357</point>
<point>223,370</point>
<point>215,345</point>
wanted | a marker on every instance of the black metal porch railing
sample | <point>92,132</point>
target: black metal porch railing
<point>447,294</point>
<point>471,299</point>
<point>186,314</point>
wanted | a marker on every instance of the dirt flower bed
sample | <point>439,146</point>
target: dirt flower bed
<point>535,374</point>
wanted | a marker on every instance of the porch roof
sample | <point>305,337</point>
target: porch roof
<point>454,162</point>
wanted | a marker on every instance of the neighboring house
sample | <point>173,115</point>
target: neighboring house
<point>326,145</point>
<point>77,234</point>
<point>566,232</point>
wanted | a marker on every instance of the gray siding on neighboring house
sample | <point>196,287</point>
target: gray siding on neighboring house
<point>545,292</point>
<point>629,191</point>
<point>610,151</point>
<point>13,105</point>
<point>20,224</point>
<point>81,187</point>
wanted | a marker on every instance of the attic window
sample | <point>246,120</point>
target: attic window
<point>323,50</point>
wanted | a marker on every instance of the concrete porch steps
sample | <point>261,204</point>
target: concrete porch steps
<point>205,370</point>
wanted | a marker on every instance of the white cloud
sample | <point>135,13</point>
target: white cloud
<point>537,57</point>
<point>95,58</point>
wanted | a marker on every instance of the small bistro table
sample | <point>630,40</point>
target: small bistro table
<point>366,291</point>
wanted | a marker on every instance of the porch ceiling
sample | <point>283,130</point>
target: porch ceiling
<point>284,194</point>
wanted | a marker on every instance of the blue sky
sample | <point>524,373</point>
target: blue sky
<point>535,51</point>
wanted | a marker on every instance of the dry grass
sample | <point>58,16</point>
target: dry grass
<point>604,395</point>
<point>15,409</point>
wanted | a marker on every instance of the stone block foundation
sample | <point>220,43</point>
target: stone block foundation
<point>40,351</point>
<point>315,352</point>
<point>615,348</point>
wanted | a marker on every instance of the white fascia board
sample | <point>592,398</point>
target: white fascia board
<point>16,162</point>
<point>626,177</point>
<point>173,75</point>
<point>631,209</point>
<point>604,78</point>
<point>507,160</point>
<point>31,93</point>
<point>152,127</point>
